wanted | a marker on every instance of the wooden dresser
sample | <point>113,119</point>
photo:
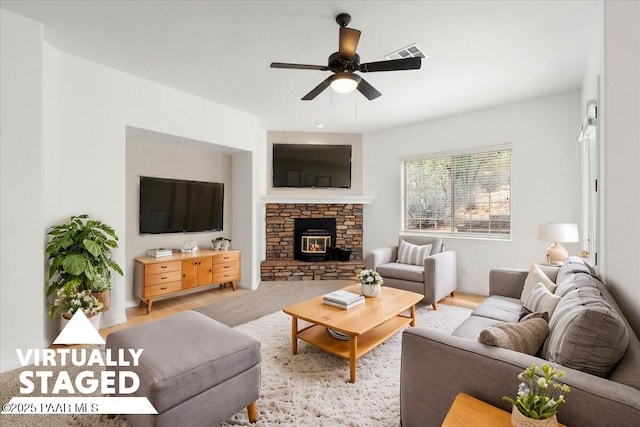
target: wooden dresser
<point>159,277</point>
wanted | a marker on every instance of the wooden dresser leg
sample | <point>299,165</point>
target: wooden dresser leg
<point>434,306</point>
<point>149,302</point>
<point>252,412</point>
<point>233,285</point>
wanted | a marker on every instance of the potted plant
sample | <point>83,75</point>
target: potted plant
<point>539,397</point>
<point>68,301</point>
<point>370,283</point>
<point>80,256</point>
<point>221,243</point>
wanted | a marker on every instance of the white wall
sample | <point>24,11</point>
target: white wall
<point>543,133</point>
<point>22,284</point>
<point>165,156</point>
<point>621,115</point>
<point>87,109</point>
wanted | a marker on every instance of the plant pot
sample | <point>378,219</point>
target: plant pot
<point>104,297</point>
<point>370,291</point>
<point>215,244</point>
<point>518,419</point>
<point>95,321</point>
<point>224,245</point>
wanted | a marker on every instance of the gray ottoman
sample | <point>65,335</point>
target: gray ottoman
<point>194,370</point>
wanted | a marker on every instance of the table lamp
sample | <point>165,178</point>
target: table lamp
<point>556,233</point>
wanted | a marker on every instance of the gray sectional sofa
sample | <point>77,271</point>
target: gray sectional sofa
<point>589,339</point>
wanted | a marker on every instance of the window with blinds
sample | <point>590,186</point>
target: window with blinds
<point>465,194</point>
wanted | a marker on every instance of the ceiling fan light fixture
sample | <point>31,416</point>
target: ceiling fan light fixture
<point>344,82</point>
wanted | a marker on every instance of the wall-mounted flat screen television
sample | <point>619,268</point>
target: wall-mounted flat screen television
<point>311,166</point>
<point>178,206</point>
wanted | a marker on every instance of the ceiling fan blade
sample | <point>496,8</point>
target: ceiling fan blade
<point>391,65</point>
<point>348,43</point>
<point>299,66</point>
<point>367,90</point>
<point>317,90</point>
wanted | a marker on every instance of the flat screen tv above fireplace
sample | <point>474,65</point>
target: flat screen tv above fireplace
<point>311,166</point>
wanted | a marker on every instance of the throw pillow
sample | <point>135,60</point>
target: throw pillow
<point>408,253</point>
<point>524,337</point>
<point>536,315</point>
<point>536,275</point>
<point>586,334</point>
<point>541,300</point>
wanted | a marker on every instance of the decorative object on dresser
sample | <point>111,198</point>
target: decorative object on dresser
<point>370,283</point>
<point>169,275</point>
<point>80,256</point>
<point>556,233</point>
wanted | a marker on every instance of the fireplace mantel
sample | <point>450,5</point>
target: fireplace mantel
<point>320,199</point>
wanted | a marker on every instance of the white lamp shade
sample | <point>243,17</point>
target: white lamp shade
<point>344,82</point>
<point>558,232</point>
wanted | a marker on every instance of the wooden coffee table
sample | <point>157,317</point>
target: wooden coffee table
<point>367,325</point>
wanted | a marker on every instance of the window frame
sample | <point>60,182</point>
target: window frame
<point>451,154</point>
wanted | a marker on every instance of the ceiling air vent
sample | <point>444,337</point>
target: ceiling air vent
<point>411,51</point>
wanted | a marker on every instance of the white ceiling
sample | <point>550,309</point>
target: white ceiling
<point>481,53</point>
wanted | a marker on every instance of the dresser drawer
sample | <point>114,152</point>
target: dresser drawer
<point>222,268</point>
<point>162,267</point>
<point>161,289</point>
<point>165,277</point>
<point>225,258</point>
<point>225,277</point>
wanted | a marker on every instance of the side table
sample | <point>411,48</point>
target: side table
<point>471,412</point>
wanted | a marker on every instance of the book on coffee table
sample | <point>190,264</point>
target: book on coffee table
<point>344,306</point>
<point>342,297</point>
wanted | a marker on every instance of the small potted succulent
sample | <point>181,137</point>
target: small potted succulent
<point>370,283</point>
<point>220,243</point>
<point>539,397</point>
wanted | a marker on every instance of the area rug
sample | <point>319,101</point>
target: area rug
<point>308,389</point>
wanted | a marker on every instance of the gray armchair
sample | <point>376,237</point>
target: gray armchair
<point>436,279</point>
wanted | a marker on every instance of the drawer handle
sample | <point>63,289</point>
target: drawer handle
<point>163,266</point>
<point>163,289</point>
<point>227,266</point>
<point>163,278</point>
<point>226,257</point>
<point>226,275</point>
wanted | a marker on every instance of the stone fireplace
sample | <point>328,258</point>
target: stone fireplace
<point>300,237</point>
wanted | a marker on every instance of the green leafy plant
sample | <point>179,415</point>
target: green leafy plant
<point>539,394</point>
<point>80,255</point>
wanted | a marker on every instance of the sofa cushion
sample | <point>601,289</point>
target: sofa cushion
<point>524,337</point>
<point>535,276</point>
<point>472,327</point>
<point>500,308</point>
<point>540,299</point>
<point>575,281</point>
<point>408,253</point>
<point>396,270</point>
<point>586,334</point>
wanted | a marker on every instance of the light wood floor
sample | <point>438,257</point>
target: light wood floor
<point>168,307</point>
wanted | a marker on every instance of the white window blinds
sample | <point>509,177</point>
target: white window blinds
<point>467,193</point>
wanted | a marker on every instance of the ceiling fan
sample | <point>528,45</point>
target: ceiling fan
<point>344,63</point>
